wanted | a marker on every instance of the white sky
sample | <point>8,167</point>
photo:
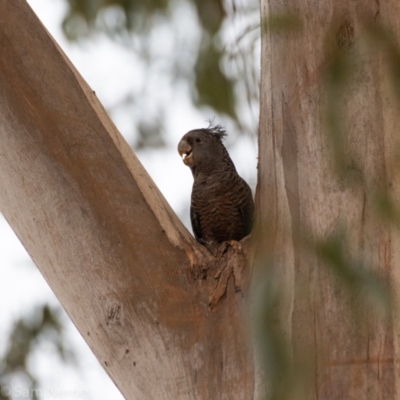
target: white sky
<point>112,72</point>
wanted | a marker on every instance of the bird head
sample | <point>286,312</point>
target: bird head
<point>202,148</point>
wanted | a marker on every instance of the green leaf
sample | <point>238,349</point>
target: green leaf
<point>214,88</point>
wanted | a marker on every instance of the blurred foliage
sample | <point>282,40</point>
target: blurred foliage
<point>282,23</point>
<point>386,41</point>
<point>361,287</point>
<point>274,344</point>
<point>150,134</point>
<point>203,63</point>
<point>369,285</point>
<point>337,79</point>
<point>39,326</point>
<point>213,87</point>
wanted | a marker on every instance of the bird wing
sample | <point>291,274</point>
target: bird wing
<point>195,219</point>
<point>246,208</point>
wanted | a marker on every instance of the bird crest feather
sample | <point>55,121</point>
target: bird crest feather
<point>216,130</point>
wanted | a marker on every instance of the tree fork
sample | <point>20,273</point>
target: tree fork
<point>112,250</point>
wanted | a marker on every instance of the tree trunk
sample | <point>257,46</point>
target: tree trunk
<point>328,149</point>
<point>138,287</point>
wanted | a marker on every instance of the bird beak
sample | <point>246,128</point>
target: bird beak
<point>185,151</point>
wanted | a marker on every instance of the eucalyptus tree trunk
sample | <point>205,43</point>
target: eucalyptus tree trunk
<point>329,190</point>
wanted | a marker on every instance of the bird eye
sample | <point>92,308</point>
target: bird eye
<point>198,140</point>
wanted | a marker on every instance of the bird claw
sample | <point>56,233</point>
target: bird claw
<point>233,266</point>
<point>216,249</point>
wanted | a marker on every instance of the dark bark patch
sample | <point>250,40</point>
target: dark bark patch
<point>345,36</point>
<point>113,314</point>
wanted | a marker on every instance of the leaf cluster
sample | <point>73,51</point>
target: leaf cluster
<point>204,63</point>
<point>40,325</point>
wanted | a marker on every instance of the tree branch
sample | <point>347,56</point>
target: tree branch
<point>103,236</point>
